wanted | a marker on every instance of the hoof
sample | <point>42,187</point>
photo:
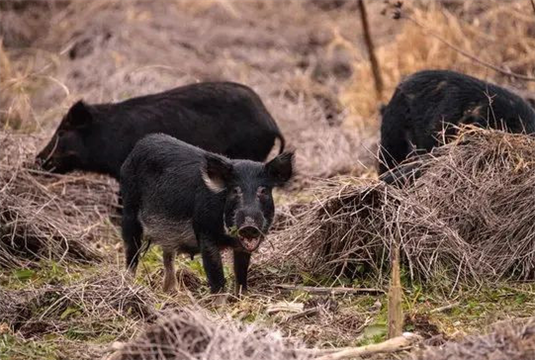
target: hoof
<point>219,300</point>
<point>170,286</point>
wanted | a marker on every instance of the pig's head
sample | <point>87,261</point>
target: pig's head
<point>247,187</point>
<point>67,150</point>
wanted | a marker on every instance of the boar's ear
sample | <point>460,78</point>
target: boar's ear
<point>79,115</point>
<point>280,169</point>
<point>216,172</point>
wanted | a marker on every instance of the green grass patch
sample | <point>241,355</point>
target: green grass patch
<point>14,348</point>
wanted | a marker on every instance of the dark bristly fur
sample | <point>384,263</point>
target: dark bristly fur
<point>430,101</point>
<point>221,117</point>
<point>188,201</point>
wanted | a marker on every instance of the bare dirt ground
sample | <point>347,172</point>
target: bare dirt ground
<point>307,61</point>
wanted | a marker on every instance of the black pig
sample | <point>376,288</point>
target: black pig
<point>192,201</point>
<point>429,101</point>
<point>221,117</point>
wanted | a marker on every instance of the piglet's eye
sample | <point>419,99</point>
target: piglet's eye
<point>262,192</point>
<point>236,190</point>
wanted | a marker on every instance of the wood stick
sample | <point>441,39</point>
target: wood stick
<point>285,307</point>
<point>389,346</point>
<point>374,63</point>
<point>304,313</point>
<point>329,290</point>
<point>444,308</point>
<point>395,311</point>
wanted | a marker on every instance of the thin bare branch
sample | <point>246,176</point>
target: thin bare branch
<point>374,62</point>
<point>465,53</point>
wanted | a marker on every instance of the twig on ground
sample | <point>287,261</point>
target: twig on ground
<point>389,346</point>
<point>444,308</point>
<point>304,313</point>
<point>284,307</point>
<point>329,290</point>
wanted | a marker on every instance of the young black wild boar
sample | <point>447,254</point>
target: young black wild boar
<point>429,101</point>
<point>192,201</point>
<point>221,117</point>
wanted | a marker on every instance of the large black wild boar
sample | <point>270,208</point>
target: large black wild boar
<point>192,201</point>
<point>429,101</point>
<point>220,117</point>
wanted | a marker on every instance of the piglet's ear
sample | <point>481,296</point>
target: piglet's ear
<point>79,115</point>
<point>280,169</point>
<point>216,172</point>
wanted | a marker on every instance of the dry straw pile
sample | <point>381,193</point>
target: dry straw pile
<point>102,303</point>
<point>191,334</point>
<point>509,341</point>
<point>48,216</point>
<point>469,217</point>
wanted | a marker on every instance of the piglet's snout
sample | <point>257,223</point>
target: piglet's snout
<point>249,232</point>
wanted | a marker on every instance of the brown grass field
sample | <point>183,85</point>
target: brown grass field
<point>465,229</point>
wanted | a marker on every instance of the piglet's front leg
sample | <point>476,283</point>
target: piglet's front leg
<point>241,267</point>
<point>213,265</point>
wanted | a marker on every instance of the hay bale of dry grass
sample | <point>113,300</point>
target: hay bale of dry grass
<point>48,216</point>
<point>192,334</point>
<point>468,217</point>
<point>508,341</point>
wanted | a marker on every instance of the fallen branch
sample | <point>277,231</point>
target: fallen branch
<point>304,313</point>
<point>285,307</point>
<point>329,290</point>
<point>444,308</point>
<point>389,346</point>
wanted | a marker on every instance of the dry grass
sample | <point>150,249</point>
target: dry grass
<point>48,216</point>
<point>94,304</point>
<point>310,69</point>
<point>298,75</point>
<point>509,340</point>
<point>192,334</point>
<point>75,311</point>
<point>499,32</point>
<point>24,67</point>
<point>467,218</point>
<point>14,99</point>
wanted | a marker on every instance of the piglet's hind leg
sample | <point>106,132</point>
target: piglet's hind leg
<point>170,283</point>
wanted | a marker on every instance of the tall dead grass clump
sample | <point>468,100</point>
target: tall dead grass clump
<point>15,107</point>
<point>497,32</point>
<point>468,218</point>
<point>48,216</point>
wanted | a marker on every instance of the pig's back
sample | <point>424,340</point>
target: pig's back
<point>166,173</point>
